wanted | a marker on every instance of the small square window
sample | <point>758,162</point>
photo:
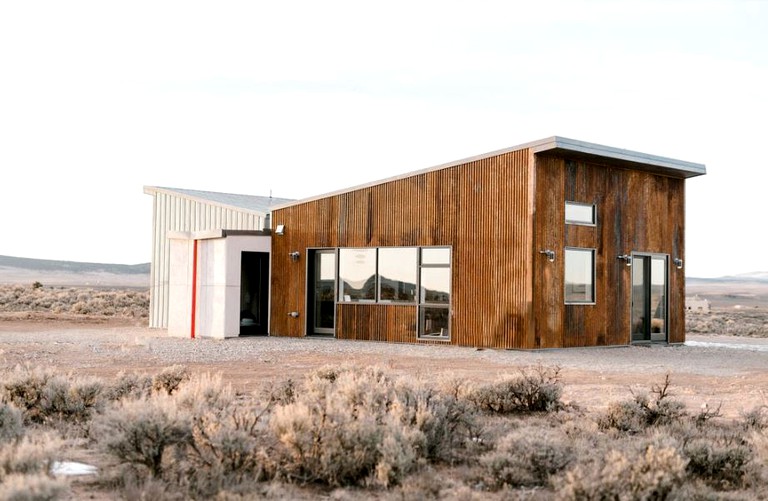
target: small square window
<point>579,213</point>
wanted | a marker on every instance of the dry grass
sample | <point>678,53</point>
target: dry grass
<point>75,301</point>
<point>746,322</point>
<point>354,432</point>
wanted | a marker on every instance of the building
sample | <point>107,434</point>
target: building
<point>227,225</point>
<point>554,243</point>
<point>697,304</point>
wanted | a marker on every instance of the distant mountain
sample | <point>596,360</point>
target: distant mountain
<point>754,276</point>
<point>21,270</point>
<point>72,266</point>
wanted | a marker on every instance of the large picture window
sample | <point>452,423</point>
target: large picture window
<point>420,276</point>
<point>579,276</point>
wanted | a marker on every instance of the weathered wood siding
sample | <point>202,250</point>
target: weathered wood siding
<point>636,212</point>
<point>482,209</point>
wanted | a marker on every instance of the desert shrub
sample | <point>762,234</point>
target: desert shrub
<point>756,418</point>
<point>11,423</point>
<point>534,390</point>
<point>650,473</point>
<point>81,301</point>
<point>35,487</point>
<point>642,410</point>
<point>129,386</point>
<point>71,401</point>
<point>526,457</point>
<point>44,397</point>
<point>349,427</point>
<point>720,461</point>
<point>24,388</point>
<point>447,421</point>
<point>139,432</point>
<point>170,378</point>
<point>33,453</point>
<point>224,449</point>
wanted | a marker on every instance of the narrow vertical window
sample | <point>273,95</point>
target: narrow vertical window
<point>435,292</point>
<point>579,276</point>
<point>579,213</point>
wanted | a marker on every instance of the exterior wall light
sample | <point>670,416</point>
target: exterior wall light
<point>678,262</point>
<point>280,229</point>
<point>294,255</point>
<point>549,253</point>
<point>627,258</point>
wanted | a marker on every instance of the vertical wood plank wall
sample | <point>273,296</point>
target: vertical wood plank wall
<point>481,209</point>
<point>636,211</point>
<point>176,213</point>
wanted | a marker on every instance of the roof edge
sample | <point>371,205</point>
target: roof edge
<point>683,168</point>
<point>553,144</point>
<point>152,190</point>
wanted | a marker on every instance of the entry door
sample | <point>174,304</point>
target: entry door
<point>323,292</point>
<point>649,297</point>
<point>254,293</point>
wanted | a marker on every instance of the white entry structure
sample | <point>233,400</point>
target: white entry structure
<point>219,283</point>
<point>181,211</point>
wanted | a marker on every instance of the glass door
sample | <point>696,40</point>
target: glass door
<point>649,298</point>
<point>323,292</point>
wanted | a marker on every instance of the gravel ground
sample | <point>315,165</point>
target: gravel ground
<point>709,369</point>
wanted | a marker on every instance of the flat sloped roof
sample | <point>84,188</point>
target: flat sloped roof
<point>558,145</point>
<point>251,203</point>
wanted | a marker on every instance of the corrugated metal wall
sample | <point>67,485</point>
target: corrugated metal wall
<point>481,209</point>
<point>177,213</point>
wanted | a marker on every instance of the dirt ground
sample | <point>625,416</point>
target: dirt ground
<point>707,370</point>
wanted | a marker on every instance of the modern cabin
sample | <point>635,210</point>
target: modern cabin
<point>555,243</point>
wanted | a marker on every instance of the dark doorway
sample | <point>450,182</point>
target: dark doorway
<point>254,293</point>
<point>649,298</point>
<point>321,319</point>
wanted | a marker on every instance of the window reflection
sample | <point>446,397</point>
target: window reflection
<point>578,213</point>
<point>397,274</point>
<point>579,276</point>
<point>357,274</point>
<point>435,285</point>
<point>435,255</point>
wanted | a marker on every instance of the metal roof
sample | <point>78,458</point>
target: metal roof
<point>251,203</point>
<point>558,145</point>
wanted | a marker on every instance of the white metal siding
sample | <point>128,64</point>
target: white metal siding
<point>177,213</point>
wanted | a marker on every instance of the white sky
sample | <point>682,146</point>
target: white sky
<point>98,99</point>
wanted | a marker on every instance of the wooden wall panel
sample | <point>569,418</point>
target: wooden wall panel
<point>371,322</point>
<point>636,212</point>
<point>481,209</point>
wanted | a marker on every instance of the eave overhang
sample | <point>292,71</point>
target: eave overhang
<point>591,152</point>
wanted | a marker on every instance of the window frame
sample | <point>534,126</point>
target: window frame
<point>419,302</point>
<point>423,304</point>
<point>593,253</point>
<point>580,222</point>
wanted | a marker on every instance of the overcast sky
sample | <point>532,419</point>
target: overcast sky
<point>98,99</point>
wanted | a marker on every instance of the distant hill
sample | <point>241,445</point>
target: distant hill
<point>743,290</point>
<point>23,270</point>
